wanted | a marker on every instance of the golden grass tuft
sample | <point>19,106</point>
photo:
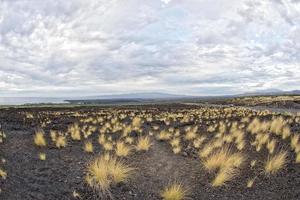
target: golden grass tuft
<point>198,142</point>
<point>122,150</point>
<point>271,146</point>
<point>250,182</point>
<point>286,132</point>
<point>74,130</point>
<point>253,163</point>
<point>164,135</point>
<point>60,141</point>
<point>103,172</point>
<point>294,141</point>
<point>53,135</point>
<point>143,144</point>
<point>129,140</point>
<point>108,146</point>
<point>298,158</point>
<point>226,162</point>
<point>276,162</point>
<point>224,175</point>
<point>223,158</point>
<point>174,192</point>
<point>175,142</point>
<point>88,147</point>
<point>190,135</point>
<point>42,156</point>
<point>39,139</point>
<point>3,174</point>
<point>176,150</point>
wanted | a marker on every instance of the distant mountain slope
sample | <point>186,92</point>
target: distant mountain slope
<point>149,95</point>
<point>271,92</point>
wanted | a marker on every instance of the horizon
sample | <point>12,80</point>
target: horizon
<point>65,49</point>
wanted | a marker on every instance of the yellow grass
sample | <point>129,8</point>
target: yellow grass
<point>60,141</point>
<point>129,140</point>
<point>271,146</point>
<point>223,158</point>
<point>175,142</point>
<point>286,132</point>
<point>143,144</point>
<point>42,156</point>
<point>88,147</point>
<point>39,139</point>
<point>53,135</point>
<point>253,163</point>
<point>276,162</point>
<point>108,146</point>
<point>122,150</point>
<point>224,175</point>
<point>3,174</point>
<point>177,150</point>
<point>136,122</point>
<point>190,135</point>
<point>102,173</point>
<point>198,142</point>
<point>75,132</point>
<point>164,135</point>
<point>298,158</point>
<point>294,141</point>
<point>250,183</point>
<point>174,192</point>
<point>101,139</point>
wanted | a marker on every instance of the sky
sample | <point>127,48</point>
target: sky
<point>192,47</point>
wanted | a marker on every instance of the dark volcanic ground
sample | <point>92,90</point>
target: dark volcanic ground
<point>63,171</point>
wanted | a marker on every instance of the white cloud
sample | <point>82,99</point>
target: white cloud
<point>189,47</point>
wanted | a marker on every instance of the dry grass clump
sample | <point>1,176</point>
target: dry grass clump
<point>108,146</point>
<point>250,182</point>
<point>286,132</point>
<point>199,141</point>
<point>88,147</point>
<point>227,164</point>
<point>276,162</point>
<point>174,192</point>
<point>74,130</point>
<point>271,146</point>
<point>60,141</point>
<point>129,140</point>
<point>298,158</point>
<point>223,158</point>
<point>122,150</point>
<point>176,150</point>
<point>143,144</point>
<point>42,156</point>
<point>224,175</point>
<point>175,142</point>
<point>102,173</point>
<point>136,123</point>
<point>191,133</point>
<point>3,174</point>
<point>277,125</point>
<point>53,135</point>
<point>210,147</point>
<point>2,136</point>
<point>39,139</point>
<point>164,135</point>
<point>295,141</point>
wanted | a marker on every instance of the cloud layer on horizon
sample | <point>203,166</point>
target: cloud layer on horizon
<point>196,47</point>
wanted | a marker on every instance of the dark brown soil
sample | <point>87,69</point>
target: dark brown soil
<point>63,171</point>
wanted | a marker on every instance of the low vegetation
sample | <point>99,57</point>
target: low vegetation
<point>224,142</point>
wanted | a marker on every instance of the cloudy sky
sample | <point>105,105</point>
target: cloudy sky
<point>196,47</point>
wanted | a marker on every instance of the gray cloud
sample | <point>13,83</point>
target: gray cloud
<point>188,47</point>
